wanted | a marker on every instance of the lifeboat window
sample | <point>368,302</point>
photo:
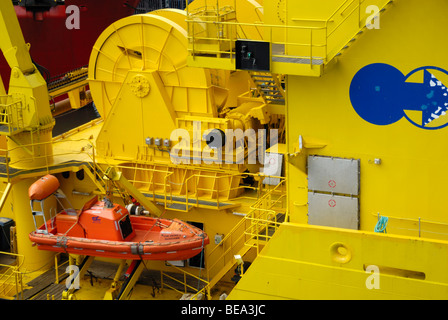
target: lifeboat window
<point>125,227</point>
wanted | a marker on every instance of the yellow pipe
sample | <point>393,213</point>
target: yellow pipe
<point>112,174</point>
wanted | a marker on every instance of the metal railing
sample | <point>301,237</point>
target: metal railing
<point>161,185</point>
<point>201,283</point>
<point>254,230</point>
<point>160,182</point>
<point>11,116</point>
<point>418,227</point>
<point>266,216</point>
<point>227,194</point>
<point>318,44</point>
<point>40,153</point>
<point>57,265</point>
<point>11,279</point>
<point>160,191</point>
<point>150,5</point>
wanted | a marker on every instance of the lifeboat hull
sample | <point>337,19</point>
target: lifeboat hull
<point>116,251</point>
<point>149,239</point>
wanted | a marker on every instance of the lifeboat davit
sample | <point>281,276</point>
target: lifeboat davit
<point>104,229</point>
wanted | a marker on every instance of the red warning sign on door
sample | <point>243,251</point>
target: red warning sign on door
<point>332,203</point>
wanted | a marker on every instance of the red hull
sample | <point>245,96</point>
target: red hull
<point>59,49</point>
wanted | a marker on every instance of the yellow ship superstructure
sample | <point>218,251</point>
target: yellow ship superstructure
<point>365,116</point>
<point>305,138</point>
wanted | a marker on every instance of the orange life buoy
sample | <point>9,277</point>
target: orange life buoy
<point>43,187</point>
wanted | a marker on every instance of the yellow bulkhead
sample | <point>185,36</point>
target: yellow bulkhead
<point>380,102</point>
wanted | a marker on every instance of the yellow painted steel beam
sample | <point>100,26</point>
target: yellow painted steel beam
<point>68,293</point>
<point>311,262</point>
<point>27,109</point>
<point>114,175</point>
<point>12,42</point>
<point>115,287</point>
<point>131,281</point>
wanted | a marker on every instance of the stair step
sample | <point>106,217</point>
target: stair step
<point>361,31</point>
<point>264,81</point>
<point>274,97</point>
<point>269,90</point>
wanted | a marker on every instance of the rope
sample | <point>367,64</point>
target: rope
<point>380,226</point>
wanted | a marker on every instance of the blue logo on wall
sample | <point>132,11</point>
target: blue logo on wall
<point>381,94</point>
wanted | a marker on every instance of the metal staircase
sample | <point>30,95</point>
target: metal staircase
<point>360,32</point>
<point>310,44</point>
<point>269,87</point>
<point>252,232</point>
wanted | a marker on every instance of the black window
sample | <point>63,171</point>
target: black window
<point>125,227</point>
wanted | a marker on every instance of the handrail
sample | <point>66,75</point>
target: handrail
<point>166,188</point>
<point>314,40</point>
<point>227,238</point>
<point>184,283</point>
<point>88,150</point>
<point>12,272</point>
<point>11,114</point>
<point>193,50</point>
<point>45,167</point>
<point>341,23</point>
<point>232,243</point>
<point>419,226</point>
<point>171,190</point>
<point>224,176</point>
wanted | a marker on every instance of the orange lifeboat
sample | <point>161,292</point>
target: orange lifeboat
<point>104,229</point>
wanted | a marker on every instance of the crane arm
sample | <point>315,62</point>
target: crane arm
<point>12,42</point>
<point>27,88</point>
